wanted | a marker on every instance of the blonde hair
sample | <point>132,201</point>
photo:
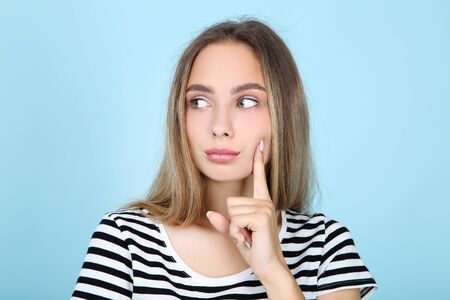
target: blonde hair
<point>177,193</point>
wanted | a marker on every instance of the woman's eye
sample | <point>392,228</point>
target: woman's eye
<point>243,100</point>
<point>194,101</point>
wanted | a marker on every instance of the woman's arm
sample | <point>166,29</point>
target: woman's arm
<point>347,294</point>
<point>282,285</point>
<point>107,270</point>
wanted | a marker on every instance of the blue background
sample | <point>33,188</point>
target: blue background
<point>84,87</point>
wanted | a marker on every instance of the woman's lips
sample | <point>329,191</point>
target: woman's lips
<point>221,158</point>
<point>220,151</point>
<point>221,155</point>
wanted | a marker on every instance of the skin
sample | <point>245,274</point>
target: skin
<point>237,197</point>
<point>222,121</point>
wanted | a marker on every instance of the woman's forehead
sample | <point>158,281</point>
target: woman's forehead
<point>230,63</point>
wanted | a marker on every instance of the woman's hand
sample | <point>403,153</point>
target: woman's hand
<point>254,220</point>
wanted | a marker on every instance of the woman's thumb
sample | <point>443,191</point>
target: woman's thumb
<point>218,221</point>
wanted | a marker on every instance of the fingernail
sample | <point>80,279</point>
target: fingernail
<point>207,214</point>
<point>244,244</point>
<point>261,145</point>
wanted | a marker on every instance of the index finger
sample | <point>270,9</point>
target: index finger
<point>260,189</point>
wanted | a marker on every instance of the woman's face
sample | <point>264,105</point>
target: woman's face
<point>220,115</point>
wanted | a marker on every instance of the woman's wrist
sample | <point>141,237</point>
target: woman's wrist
<point>280,284</point>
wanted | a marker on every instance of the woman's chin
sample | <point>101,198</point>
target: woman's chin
<point>222,176</point>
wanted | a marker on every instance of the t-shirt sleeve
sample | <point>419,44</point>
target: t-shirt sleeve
<point>106,272</point>
<point>341,266</point>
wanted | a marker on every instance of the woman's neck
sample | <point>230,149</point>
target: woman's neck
<point>217,193</point>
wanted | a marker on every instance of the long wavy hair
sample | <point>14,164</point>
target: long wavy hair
<point>176,196</point>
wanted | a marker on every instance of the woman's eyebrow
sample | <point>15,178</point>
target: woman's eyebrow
<point>234,90</point>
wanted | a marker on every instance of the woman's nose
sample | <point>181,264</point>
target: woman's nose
<point>221,123</point>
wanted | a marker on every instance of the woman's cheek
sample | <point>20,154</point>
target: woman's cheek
<point>194,124</point>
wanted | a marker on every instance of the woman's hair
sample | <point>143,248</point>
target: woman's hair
<point>177,194</point>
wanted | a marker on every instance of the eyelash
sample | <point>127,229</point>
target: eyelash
<point>194,99</point>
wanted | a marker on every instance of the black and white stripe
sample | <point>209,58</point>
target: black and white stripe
<point>130,256</point>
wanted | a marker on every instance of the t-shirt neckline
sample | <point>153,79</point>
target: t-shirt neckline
<point>215,280</point>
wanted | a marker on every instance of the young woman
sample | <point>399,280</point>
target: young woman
<point>227,217</point>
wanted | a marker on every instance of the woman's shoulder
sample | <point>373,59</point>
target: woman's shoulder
<point>139,214</point>
<point>313,220</point>
<point>331,252</point>
<point>128,221</point>
<point>316,227</point>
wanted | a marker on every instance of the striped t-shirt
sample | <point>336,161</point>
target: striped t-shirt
<point>130,256</point>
